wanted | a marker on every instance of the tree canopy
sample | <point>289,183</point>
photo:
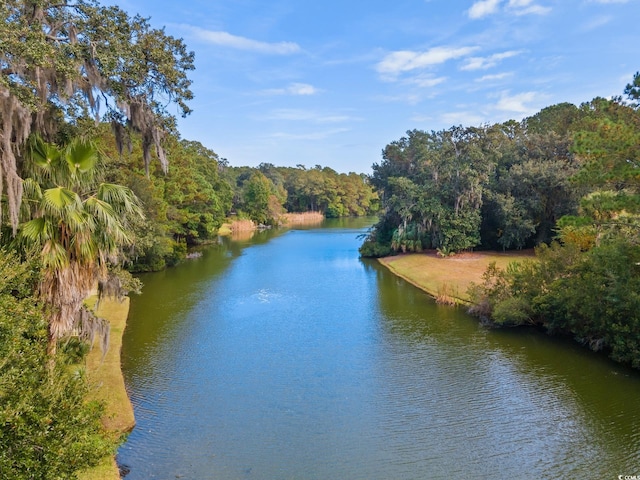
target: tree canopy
<point>69,60</point>
<point>584,280</point>
<point>497,186</point>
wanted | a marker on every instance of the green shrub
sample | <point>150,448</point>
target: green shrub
<point>372,249</point>
<point>47,428</point>
<point>513,311</point>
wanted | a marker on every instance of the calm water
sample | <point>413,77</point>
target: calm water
<point>288,357</point>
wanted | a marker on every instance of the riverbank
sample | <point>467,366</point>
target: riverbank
<point>447,279</point>
<point>106,377</point>
<point>243,229</point>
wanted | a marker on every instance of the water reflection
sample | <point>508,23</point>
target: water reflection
<point>513,394</point>
<point>286,356</point>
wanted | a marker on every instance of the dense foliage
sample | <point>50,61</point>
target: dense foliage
<point>499,186</point>
<point>264,194</point>
<point>566,181</point>
<point>47,428</point>
<point>586,283</point>
<point>187,205</point>
<point>64,62</point>
<point>184,206</point>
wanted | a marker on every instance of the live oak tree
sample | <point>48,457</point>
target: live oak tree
<point>68,60</point>
<point>432,186</point>
<point>530,189</point>
<point>259,199</point>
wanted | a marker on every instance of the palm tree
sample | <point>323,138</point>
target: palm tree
<point>76,224</point>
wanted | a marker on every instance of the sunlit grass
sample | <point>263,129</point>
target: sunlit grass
<point>105,375</point>
<point>105,470</point>
<point>449,278</point>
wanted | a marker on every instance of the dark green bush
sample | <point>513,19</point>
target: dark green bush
<point>372,249</point>
<point>48,430</point>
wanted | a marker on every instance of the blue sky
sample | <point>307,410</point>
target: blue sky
<point>332,82</point>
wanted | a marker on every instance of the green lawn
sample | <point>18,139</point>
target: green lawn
<point>450,276</point>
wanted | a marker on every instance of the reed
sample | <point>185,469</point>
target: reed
<point>243,225</point>
<point>447,294</point>
<point>305,218</point>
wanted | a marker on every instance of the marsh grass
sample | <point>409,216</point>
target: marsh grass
<point>447,294</point>
<point>243,229</point>
<point>306,218</point>
<point>225,229</point>
<point>243,225</point>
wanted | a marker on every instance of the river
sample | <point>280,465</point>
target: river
<point>288,357</point>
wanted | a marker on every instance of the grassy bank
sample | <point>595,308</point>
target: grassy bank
<point>448,278</point>
<point>106,375</point>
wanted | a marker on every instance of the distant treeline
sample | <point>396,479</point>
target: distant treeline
<point>566,181</point>
<point>187,205</point>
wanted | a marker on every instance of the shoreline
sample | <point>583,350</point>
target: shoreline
<point>106,378</point>
<point>238,226</point>
<point>447,278</point>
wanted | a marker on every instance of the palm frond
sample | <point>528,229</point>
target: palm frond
<point>34,232</point>
<point>57,201</point>
<point>43,154</point>
<point>54,255</point>
<point>84,246</point>
<point>31,189</point>
<point>103,212</point>
<point>77,234</point>
<point>78,220</point>
<point>81,156</point>
<point>109,228</point>
<point>121,198</point>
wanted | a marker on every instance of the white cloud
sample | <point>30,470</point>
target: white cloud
<point>293,89</point>
<point>532,10</point>
<point>410,98</point>
<point>302,89</point>
<point>299,115</point>
<point>462,118</point>
<point>597,23</point>
<point>406,60</point>
<point>425,81</point>
<point>482,8</point>
<point>498,76</point>
<point>517,103</point>
<point>483,63</point>
<point>421,118</point>
<point>225,39</point>
<point>308,136</point>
